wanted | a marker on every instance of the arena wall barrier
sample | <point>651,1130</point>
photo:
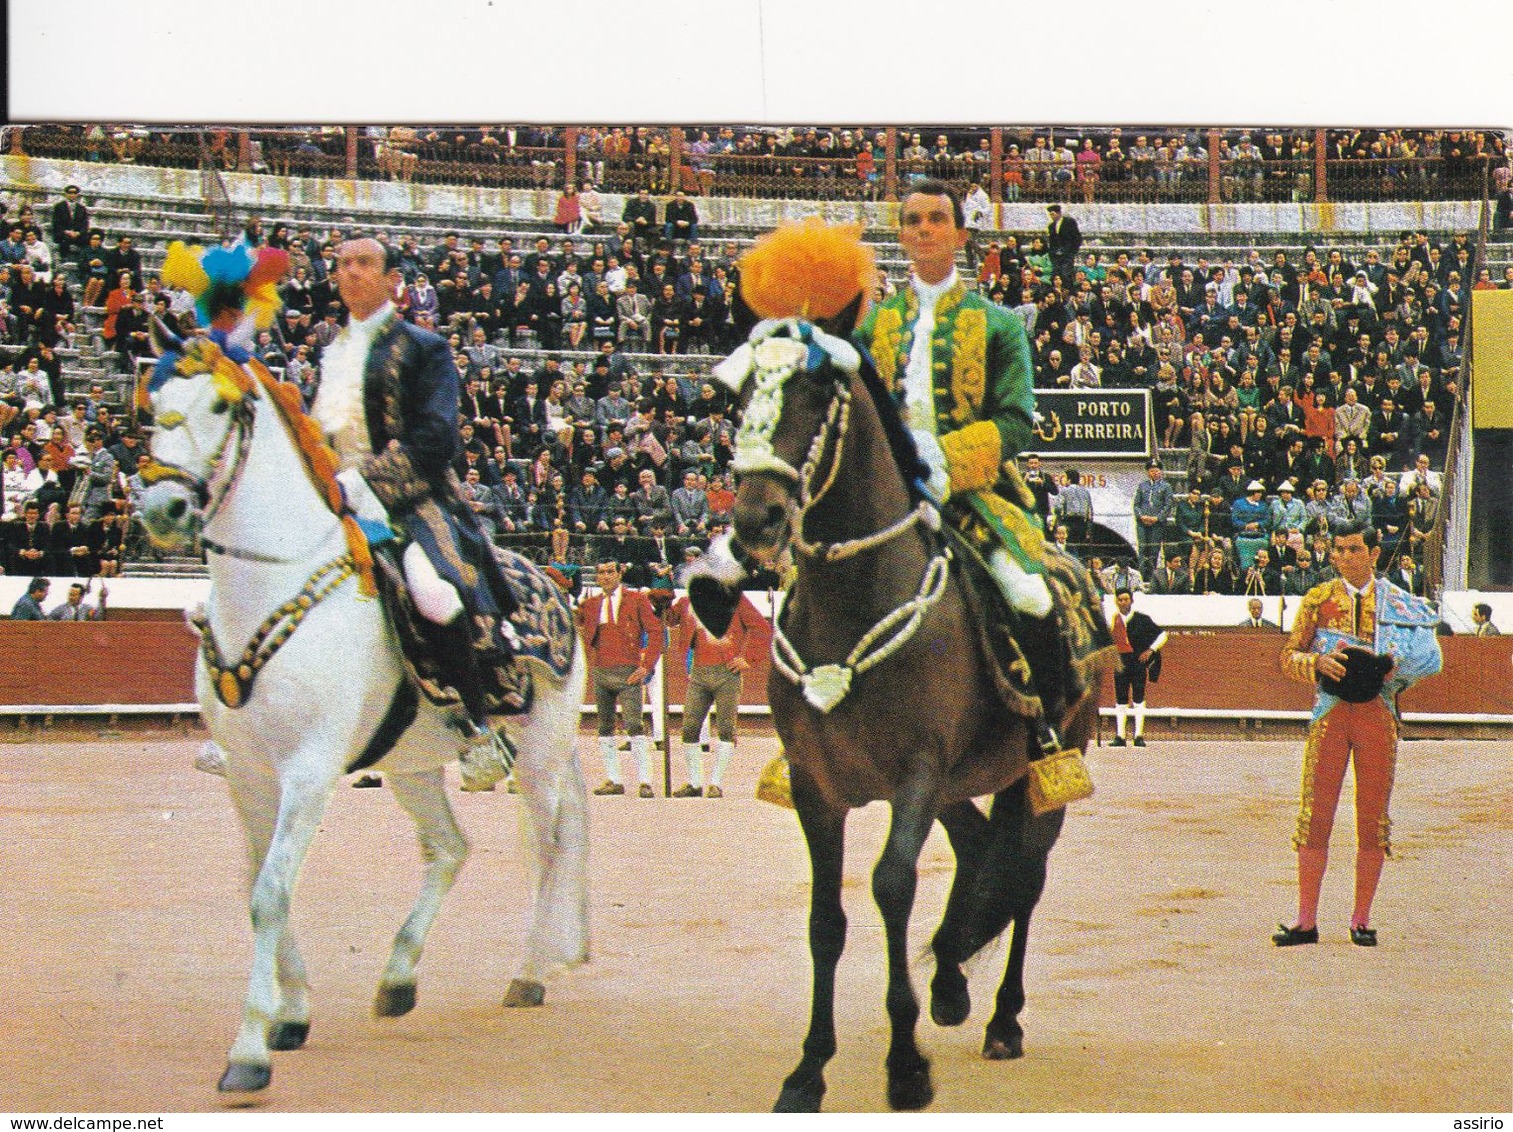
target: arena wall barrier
<point>139,663</point>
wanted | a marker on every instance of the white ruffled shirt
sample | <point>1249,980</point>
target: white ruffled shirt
<point>338,407</point>
<point>919,380</point>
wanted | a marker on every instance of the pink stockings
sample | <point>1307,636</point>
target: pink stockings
<point>1311,864</point>
<point>1365,734</point>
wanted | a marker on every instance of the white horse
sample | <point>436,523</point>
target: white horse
<point>230,463</point>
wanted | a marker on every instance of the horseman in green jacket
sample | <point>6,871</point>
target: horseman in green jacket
<point>959,368</point>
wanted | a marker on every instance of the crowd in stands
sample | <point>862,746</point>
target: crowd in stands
<point>1265,163</point>
<point>590,427</point>
<point>1304,393</point>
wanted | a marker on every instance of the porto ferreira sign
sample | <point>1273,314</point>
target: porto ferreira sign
<point>1092,423</point>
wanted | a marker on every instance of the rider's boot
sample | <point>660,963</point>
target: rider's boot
<point>489,755</point>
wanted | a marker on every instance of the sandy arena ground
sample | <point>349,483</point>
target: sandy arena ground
<point>1152,983</point>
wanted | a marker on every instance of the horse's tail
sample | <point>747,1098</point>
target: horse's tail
<point>554,821</point>
<point>1006,876</point>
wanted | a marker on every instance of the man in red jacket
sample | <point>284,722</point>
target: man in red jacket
<point>624,639</point>
<point>714,680</point>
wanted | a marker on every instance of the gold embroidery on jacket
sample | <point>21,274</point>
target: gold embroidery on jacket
<point>969,351</point>
<point>887,330</point>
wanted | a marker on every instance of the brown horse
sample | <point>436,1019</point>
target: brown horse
<point>879,692</point>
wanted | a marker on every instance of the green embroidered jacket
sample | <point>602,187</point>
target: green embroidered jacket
<point>983,377</point>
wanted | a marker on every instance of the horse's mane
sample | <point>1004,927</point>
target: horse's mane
<point>320,463</point>
<point>900,443</point>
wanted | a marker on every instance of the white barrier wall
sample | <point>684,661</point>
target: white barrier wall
<point>264,194</point>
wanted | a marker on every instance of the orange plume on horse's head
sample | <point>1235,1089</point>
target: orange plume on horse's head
<point>809,270</point>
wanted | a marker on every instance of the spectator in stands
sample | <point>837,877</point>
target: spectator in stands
<point>1251,520</point>
<point>651,501</point>
<point>634,313</point>
<point>124,257</point>
<point>1409,575</point>
<point>70,224</point>
<point>682,220</point>
<point>640,213</point>
<point>74,545</point>
<point>1216,574</point>
<point>1063,242</point>
<point>690,507</point>
<point>1481,619</point>
<point>1261,577</point>
<point>1349,506</point>
<point>1172,578</point>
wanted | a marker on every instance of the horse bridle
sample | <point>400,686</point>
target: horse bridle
<point>754,452</point>
<point>210,492</point>
<point>826,685</point>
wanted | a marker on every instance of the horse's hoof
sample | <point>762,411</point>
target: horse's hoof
<point>796,1099</point>
<point>949,1004</point>
<point>910,1090</point>
<point>288,1035</point>
<point>394,1000</point>
<point>242,1078</point>
<point>524,992</point>
<point>1002,1049</point>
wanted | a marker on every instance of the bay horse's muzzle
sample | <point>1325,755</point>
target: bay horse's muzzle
<point>763,516</point>
<point>171,514</point>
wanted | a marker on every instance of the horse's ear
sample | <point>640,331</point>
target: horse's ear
<point>742,316</point>
<point>843,323</point>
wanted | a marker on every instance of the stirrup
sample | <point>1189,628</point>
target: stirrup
<point>1048,740</point>
<point>488,759</point>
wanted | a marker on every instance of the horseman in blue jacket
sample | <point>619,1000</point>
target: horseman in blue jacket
<point>388,402</point>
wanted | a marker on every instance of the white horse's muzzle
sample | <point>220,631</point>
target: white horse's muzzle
<point>171,514</point>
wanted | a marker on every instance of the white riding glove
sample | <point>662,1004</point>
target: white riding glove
<point>360,498</point>
<point>938,482</point>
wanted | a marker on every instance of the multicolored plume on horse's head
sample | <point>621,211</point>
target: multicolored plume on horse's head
<point>235,289</point>
<point>809,270</point>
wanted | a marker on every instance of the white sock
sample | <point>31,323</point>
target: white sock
<point>1026,592</point>
<point>640,747</point>
<point>1140,719</point>
<point>611,753</point>
<point>693,755</point>
<point>1121,713</point>
<point>723,752</point>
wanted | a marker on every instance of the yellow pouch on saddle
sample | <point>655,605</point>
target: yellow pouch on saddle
<point>772,785</point>
<point>1058,779</point>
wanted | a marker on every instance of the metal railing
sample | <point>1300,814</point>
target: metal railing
<point>1015,163</point>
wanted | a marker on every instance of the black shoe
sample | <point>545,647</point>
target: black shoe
<point>367,781</point>
<point>1118,741</point>
<point>1363,936</point>
<point>1285,936</point>
<point>1139,741</point>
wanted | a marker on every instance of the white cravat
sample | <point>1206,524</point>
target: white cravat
<point>609,609</point>
<point>338,407</point>
<point>919,379</point>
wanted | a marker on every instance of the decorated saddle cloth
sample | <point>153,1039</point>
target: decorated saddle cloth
<point>543,621</point>
<point>1073,657</point>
